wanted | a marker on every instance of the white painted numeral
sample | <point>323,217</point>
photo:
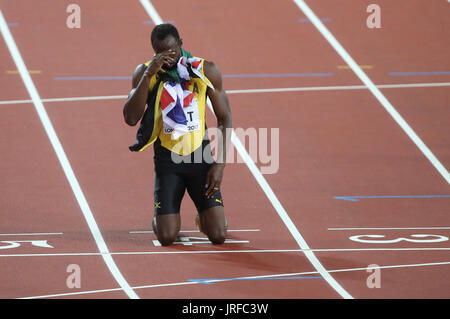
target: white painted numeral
<point>431,239</point>
<point>17,243</point>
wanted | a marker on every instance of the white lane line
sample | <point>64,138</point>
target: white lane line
<point>245,91</point>
<point>151,11</point>
<point>69,99</point>
<point>188,252</point>
<point>375,91</point>
<point>64,161</point>
<point>387,228</point>
<point>411,85</point>
<point>338,88</point>
<point>266,188</point>
<point>253,277</point>
<point>31,234</point>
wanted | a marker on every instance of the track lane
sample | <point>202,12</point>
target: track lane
<point>52,136</point>
<point>324,152</point>
<point>408,281</point>
<point>390,50</point>
<point>115,203</point>
<point>428,113</point>
<point>271,35</point>
<point>37,199</point>
<point>103,198</point>
<point>11,85</point>
<point>36,276</point>
<point>410,37</point>
<point>435,211</point>
<point>60,51</point>
<point>87,164</point>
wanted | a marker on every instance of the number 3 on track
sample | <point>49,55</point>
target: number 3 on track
<point>17,243</point>
<point>417,238</point>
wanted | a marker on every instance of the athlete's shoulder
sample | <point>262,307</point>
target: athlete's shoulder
<point>137,74</point>
<point>212,72</point>
<point>211,68</point>
<point>140,68</point>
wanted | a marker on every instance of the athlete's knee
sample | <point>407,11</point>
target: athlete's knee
<point>217,236</point>
<point>166,238</point>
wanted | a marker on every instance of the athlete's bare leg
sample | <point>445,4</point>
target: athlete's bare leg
<point>214,224</point>
<point>166,228</point>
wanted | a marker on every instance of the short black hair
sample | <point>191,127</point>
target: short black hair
<point>161,31</point>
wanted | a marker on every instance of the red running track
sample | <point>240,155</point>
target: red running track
<point>332,143</point>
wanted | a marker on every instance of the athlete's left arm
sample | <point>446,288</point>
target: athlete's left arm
<point>221,106</point>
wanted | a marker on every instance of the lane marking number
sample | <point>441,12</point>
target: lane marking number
<point>10,244</point>
<point>417,238</point>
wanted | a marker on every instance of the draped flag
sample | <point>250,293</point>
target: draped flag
<point>176,99</point>
<point>177,109</point>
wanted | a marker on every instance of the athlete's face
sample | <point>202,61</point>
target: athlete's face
<point>169,42</point>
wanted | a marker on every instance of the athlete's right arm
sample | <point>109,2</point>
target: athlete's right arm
<point>135,104</point>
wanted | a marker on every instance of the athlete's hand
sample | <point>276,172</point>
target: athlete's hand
<point>166,57</point>
<point>213,179</point>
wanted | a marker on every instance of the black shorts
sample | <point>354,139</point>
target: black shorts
<point>170,187</point>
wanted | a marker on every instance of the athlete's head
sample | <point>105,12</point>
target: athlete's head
<point>164,37</point>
